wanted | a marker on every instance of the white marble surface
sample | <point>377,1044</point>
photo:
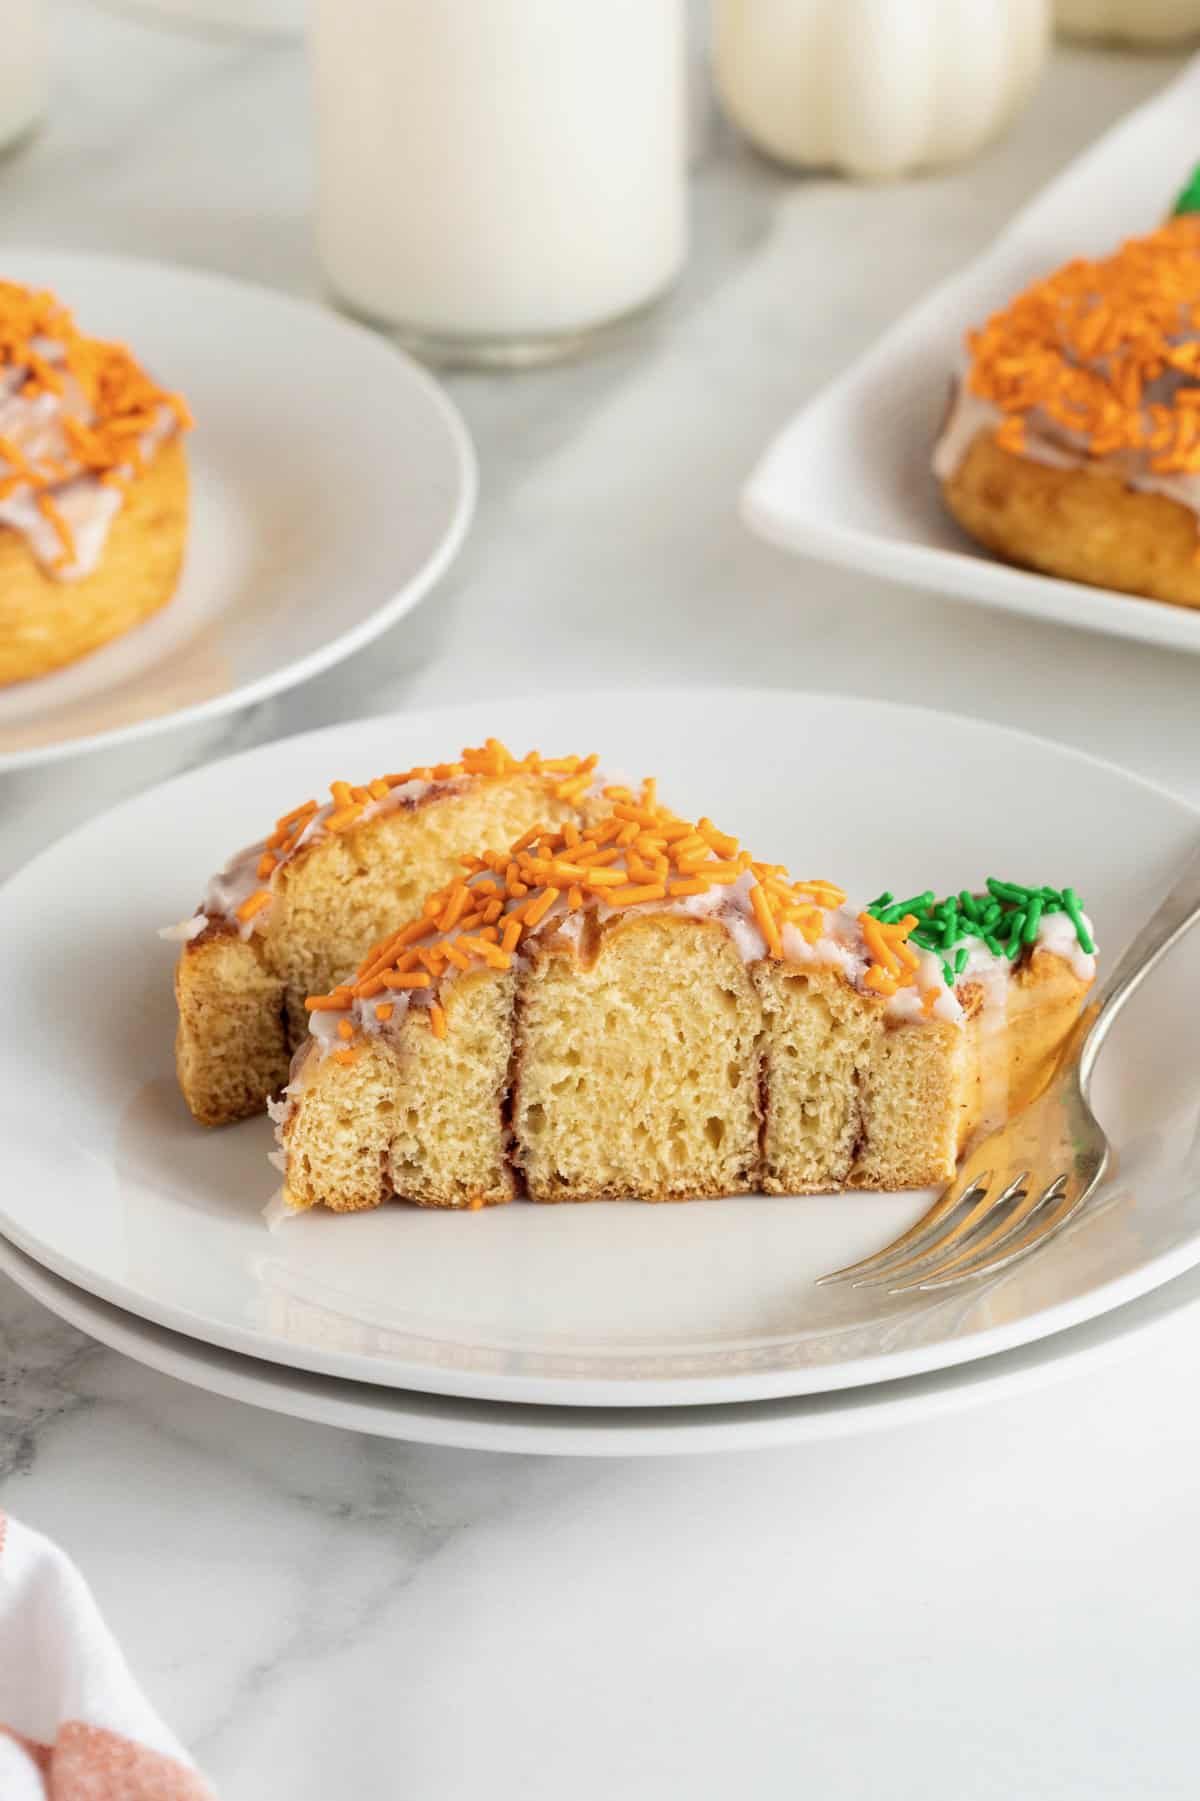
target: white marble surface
<point>997,1604</point>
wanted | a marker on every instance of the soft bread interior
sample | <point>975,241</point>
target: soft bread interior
<point>637,1068</point>
<point>411,1114</point>
<point>231,1046</point>
<point>648,1061</point>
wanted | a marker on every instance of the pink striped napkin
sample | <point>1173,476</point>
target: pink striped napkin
<point>74,1726</point>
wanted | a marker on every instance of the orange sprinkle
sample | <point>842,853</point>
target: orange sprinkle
<point>255,904</point>
<point>767,923</point>
<point>537,910</point>
<point>493,956</point>
<point>511,935</point>
<point>345,1029</point>
<point>634,896</point>
<point>384,1011</point>
<point>346,1056</point>
<point>879,980</point>
<point>437,1021</point>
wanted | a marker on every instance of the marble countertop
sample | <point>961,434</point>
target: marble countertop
<point>997,1603</point>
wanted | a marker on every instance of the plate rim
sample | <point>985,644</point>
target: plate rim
<point>514,1428</point>
<point>683,1391</point>
<point>290,674</point>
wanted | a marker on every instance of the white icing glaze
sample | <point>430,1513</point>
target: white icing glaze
<point>185,931</point>
<point>278,1209</point>
<point>1057,935</point>
<point>34,425</point>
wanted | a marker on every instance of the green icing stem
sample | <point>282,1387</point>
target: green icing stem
<point>1189,199</point>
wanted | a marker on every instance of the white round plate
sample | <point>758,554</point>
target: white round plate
<point>607,1431</point>
<point>332,483</point>
<point>108,1182</point>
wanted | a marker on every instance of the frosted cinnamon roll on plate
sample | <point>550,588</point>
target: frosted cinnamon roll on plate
<point>93,488</point>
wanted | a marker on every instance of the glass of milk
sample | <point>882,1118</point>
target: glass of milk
<point>499,180</point>
<point>22,68</point>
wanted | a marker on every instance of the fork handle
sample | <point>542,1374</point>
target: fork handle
<point>1165,927</point>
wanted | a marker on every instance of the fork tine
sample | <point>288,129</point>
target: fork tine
<point>1002,1230</point>
<point>1043,1227</point>
<point>934,1216</point>
<point>954,1235</point>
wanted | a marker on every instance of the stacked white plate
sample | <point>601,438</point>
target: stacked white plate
<point>618,1327</point>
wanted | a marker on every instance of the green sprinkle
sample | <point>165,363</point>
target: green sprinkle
<point>1007,891</point>
<point>918,905</point>
<point>949,974</point>
<point>990,914</point>
<point>1016,925</point>
<point>969,905</point>
<point>1189,199</point>
<point>881,900</point>
<point>1074,911</point>
<point>1033,919</point>
<point>993,944</point>
<point>1012,949</point>
<point>961,961</point>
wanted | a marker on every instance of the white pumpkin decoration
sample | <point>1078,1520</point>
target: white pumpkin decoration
<point>1129,21</point>
<point>876,87</point>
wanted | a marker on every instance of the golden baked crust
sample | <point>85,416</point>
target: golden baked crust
<point>1082,524</point>
<point>651,1063</point>
<point>241,1000</point>
<point>46,623</point>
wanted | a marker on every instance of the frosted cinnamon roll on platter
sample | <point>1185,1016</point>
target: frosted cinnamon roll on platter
<point>1072,439</point>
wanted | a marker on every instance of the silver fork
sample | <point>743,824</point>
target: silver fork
<point>1024,1182</point>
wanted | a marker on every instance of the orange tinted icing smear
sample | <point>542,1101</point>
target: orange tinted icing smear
<point>567,778</point>
<point>120,402</point>
<point>1088,349</point>
<point>637,854</point>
